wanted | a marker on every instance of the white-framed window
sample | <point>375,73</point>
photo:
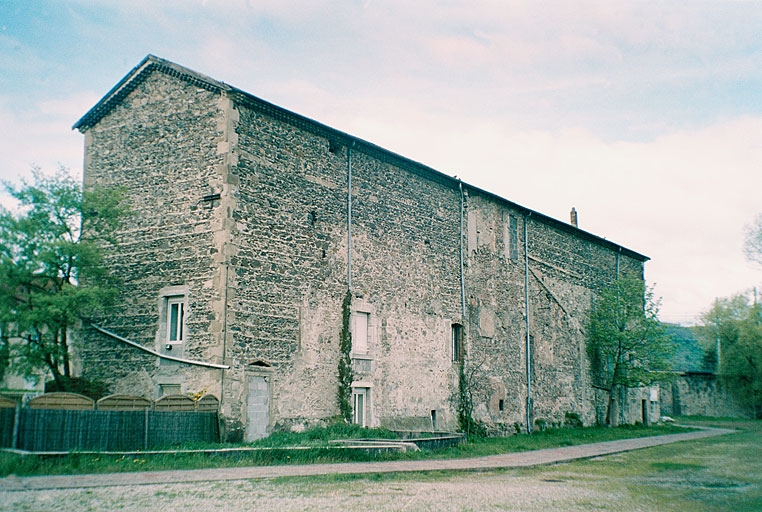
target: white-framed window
<point>175,320</point>
<point>360,324</point>
<point>360,406</point>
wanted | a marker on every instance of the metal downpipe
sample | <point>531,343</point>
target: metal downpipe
<point>349,216</point>
<point>528,345</point>
<point>462,275</point>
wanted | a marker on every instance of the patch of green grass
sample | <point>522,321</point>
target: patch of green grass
<point>276,449</point>
<point>675,466</point>
<point>319,436</point>
<point>707,421</point>
<point>718,473</point>
<point>707,475</point>
<point>550,438</point>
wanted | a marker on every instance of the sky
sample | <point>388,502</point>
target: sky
<point>645,116</point>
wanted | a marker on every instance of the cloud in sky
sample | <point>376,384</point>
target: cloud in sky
<point>645,116</point>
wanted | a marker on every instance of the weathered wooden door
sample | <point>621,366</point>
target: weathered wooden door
<point>257,407</point>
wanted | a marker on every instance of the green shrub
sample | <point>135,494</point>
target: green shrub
<point>90,388</point>
<point>572,420</point>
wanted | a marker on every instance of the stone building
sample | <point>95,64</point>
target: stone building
<point>244,241</point>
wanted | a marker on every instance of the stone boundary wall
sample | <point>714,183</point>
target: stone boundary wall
<point>700,394</point>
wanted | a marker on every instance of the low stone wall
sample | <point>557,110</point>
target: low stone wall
<point>700,394</point>
<point>427,440</point>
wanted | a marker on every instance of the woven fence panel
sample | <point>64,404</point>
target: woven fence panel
<point>166,429</point>
<point>175,403</point>
<point>7,403</point>
<point>52,430</point>
<point>59,430</point>
<point>116,431</point>
<point>7,418</point>
<point>208,403</point>
<point>68,401</point>
<point>123,403</point>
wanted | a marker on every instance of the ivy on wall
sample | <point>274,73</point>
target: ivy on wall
<point>465,406</point>
<point>344,392</point>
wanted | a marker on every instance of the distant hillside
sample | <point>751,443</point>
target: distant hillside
<point>688,353</point>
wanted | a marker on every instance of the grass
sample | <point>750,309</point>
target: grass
<point>278,451</point>
<point>718,473</point>
<point>706,475</point>
<point>321,436</point>
<point>552,438</point>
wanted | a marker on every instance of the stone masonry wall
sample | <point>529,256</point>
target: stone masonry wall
<point>564,271</point>
<point>291,251</point>
<point>406,265</point>
<point>161,145</point>
<point>699,394</point>
<point>263,267</point>
<point>287,268</point>
<point>291,267</point>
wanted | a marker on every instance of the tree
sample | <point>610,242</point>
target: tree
<point>627,344</point>
<point>48,247</point>
<point>732,328</point>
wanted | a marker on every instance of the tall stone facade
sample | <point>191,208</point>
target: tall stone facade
<point>249,225</point>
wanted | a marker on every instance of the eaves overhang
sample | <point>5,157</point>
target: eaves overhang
<point>135,77</point>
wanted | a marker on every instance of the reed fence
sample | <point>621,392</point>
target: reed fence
<point>60,422</point>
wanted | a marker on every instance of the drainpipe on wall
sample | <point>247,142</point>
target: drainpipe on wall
<point>462,275</point>
<point>622,390</point>
<point>349,216</point>
<point>528,348</point>
<point>155,353</point>
<point>224,323</point>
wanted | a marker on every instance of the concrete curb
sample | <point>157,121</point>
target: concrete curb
<point>510,460</point>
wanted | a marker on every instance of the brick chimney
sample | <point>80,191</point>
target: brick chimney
<point>573,215</point>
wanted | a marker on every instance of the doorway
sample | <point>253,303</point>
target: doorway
<point>257,406</point>
<point>360,406</point>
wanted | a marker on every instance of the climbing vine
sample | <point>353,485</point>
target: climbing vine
<point>466,422</point>
<point>344,393</point>
<point>465,400</point>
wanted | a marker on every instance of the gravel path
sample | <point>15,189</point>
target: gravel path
<point>252,487</point>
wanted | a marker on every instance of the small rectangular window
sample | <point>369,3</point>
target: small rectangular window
<point>175,320</point>
<point>360,333</point>
<point>513,237</point>
<point>169,389</point>
<point>457,342</point>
